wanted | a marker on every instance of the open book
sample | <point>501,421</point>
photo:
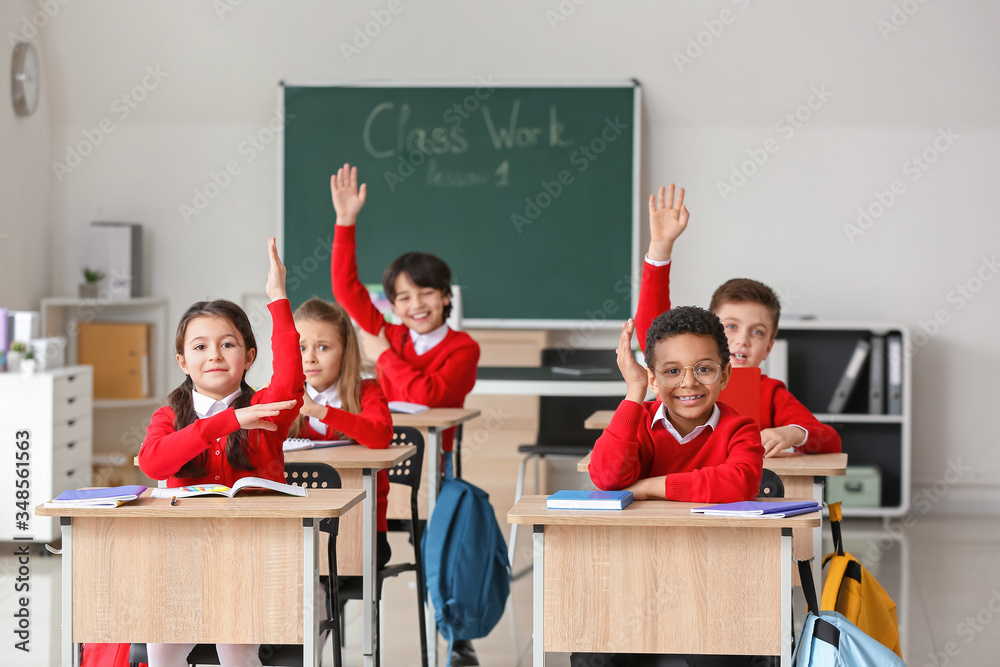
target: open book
<point>229,492</point>
<point>295,444</point>
<point>111,496</point>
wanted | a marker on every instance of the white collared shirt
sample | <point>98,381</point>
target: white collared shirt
<point>712,423</point>
<point>209,407</point>
<point>330,397</point>
<point>424,343</point>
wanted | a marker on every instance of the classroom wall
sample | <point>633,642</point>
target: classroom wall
<point>199,78</point>
<point>25,186</point>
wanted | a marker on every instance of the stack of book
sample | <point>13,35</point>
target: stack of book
<point>108,497</point>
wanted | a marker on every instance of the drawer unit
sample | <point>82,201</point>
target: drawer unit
<point>46,434</point>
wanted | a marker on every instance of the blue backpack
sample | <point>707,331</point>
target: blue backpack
<point>465,562</point>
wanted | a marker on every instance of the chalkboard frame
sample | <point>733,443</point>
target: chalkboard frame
<point>610,323</point>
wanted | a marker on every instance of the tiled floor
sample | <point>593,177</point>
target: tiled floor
<point>944,573</point>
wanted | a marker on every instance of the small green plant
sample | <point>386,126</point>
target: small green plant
<point>30,354</point>
<point>92,275</point>
<point>17,347</point>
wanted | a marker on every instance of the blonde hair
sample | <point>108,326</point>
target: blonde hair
<point>349,379</point>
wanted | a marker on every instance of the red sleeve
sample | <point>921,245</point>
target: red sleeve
<point>287,379</point>
<point>373,427</point>
<point>616,461</point>
<point>654,298</point>
<point>786,410</point>
<point>164,450</point>
<point>733,481</point>
<point>447,384</point>
<point>347,289</point>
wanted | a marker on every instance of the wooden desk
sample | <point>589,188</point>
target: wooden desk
<point>358,467</point>
<point>434,421</point>
<point>704,584</point>
<point>543,381</point>
<point>208,570</point>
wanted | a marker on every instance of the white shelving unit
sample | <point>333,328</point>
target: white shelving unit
<point>818,353</point>
<point>61,316</point>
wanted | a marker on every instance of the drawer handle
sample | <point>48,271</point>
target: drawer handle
<point>853,488</point>
<point>70,473</point>
<point>71,401</point>
<point>71,445</point>
<point>71,422</point>
<point>70,378</point>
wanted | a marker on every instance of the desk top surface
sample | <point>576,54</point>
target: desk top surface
<point>599,420</point>
<point>319,504</point>
<point>435,418</point>
<point>542,373</point>
<point>353,456</point>
<point>531,510</point>
<point>790,465</point>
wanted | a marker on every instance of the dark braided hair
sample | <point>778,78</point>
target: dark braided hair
<point>686,320</point>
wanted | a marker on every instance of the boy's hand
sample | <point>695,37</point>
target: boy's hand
<point>347,197</point>
<point>667,220</point>
<point>651,488</point>
<point>275,288</point>
<point>634,374</point>
<point>776,440</point>
<point>252,417</point>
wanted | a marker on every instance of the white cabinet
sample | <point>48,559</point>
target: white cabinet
<point>46,429</point>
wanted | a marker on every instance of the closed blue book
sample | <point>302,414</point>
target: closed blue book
<point>588,500</point>
<point>111,496</point>
<point>752,508</point>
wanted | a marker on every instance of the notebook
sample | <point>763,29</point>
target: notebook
<point>407,408</point>
<point>588,500</point>
<point>295,444</point>
<point>743,392</point>
<point>112,496</point>
<point>755,508</point>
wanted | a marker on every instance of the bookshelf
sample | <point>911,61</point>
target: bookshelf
<point>818,354</point>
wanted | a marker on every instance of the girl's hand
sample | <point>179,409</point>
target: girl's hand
<point>347,197</point>
<point>634,374</point>
<point>252,416</point>
<point>667,220</point>
<point>275,288</point>
<point>375,345</point>
<point>311,408</point>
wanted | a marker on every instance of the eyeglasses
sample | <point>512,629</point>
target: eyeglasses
<point>705,372</point>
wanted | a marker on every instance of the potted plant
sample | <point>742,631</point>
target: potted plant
<point>91,277</point>
<point>29,364</point>
<point>15,355</point>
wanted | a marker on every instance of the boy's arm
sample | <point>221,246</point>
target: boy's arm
<point>617,459</point>
<point>448,384</point>
<point>654,298</point>
<point>668,218</point>
<point>735,480</point>
<point>820,438</point>
<point>372,427</point>
<point>164,451</point>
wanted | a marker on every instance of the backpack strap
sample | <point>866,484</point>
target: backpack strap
<point>836,516</point>
<point>808,585</point>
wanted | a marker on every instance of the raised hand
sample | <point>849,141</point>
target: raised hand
<point>634,374</point>
<point>348,198</point>
<point>252,416</point>
<point>275,288</point>
<point>668,218</point>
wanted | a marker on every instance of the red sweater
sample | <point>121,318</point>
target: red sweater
<point>719,466</point>
<point>371,428</point>
<point>777,405</point>
<point>439,378</point>
<point>165,450</point>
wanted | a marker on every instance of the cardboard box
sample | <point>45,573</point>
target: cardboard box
<point>119,353</point>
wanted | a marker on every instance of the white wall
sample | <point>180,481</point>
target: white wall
<point>25,186</point>
<point>785,226</point>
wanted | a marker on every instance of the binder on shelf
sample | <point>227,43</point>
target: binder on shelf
<point>894,357</point>
<point>119,353</point>
<point>876,376</point>
<point>849,378</point>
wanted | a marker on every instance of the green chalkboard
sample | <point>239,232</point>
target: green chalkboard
<point>528,192</point>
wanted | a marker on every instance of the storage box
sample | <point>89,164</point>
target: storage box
<point>861,486</point>
<point>119,353</point>
<point>50,353</point>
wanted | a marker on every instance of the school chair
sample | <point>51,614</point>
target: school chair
<point>407,473</point>
<point>312,476</point>
<point>771,485</point>
<point>561,433</point>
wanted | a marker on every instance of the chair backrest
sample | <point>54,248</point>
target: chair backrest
<point>771,485</point>
<point>560,418</point>
<point>311,475</point>
<point>455,319</point>
<point>407,472</point>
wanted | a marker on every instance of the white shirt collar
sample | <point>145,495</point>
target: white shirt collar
<point>424,343</point>
<point>209,407</point>
<point>330,397</point>
<point>712,423</point>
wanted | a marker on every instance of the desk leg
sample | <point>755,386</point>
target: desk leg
<point>433,454</point>
<point>817,564</point>
<point>538,597</point>
<point>370,642</point>
<point>70,657</point>
<point>786,597</point>
<point>310,579</point>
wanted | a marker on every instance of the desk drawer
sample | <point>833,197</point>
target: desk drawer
<point>73,385</point>
<point>68,430</point>
<point>71,407</point>
<point>72,469</point>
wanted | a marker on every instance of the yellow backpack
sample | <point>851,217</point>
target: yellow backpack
<point>853,592</point>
